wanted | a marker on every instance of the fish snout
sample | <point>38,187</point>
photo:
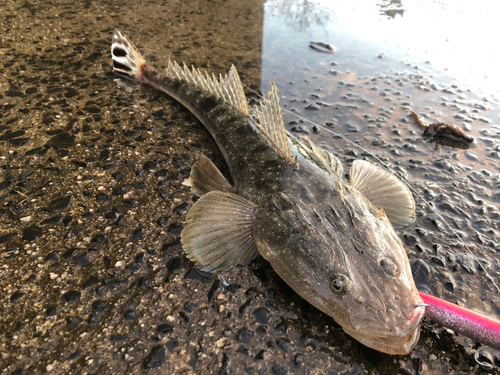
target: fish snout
<point>409,331</point>
<point>419,312</point>
<point>405,328</point>
<point>397,323</point>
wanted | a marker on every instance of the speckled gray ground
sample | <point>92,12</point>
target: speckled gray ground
<point>92,275</point>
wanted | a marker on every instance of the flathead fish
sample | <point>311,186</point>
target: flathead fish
<point>331,240</point>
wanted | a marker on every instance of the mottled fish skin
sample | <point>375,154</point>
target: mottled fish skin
<point>253,163</point>
<point>335,233</point>
<point>323,237</point>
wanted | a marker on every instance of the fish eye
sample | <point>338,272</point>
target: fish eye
<point>340,284</point>
<point>389,267</point>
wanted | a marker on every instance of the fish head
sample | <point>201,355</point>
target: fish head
<point>341,254</point>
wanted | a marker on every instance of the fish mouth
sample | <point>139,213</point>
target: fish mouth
<point>399,340</point>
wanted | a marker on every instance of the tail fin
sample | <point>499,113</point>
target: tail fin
<point>127,60</point>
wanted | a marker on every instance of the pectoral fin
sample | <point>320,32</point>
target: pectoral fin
<point>205,177</point>
<point>384,190</point>
<point>219,234</point>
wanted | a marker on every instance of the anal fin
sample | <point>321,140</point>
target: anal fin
<point>219,234</point>
<point>384,190</point>
<point>206,177</point>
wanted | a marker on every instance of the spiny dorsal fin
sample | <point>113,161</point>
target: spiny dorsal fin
<point>384,190</point>
<point>206,177</point>
<point>271,122</point>
<point>227,88</point>
<point>219,235</point>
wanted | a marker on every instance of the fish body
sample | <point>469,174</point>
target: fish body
<point>330,240</point>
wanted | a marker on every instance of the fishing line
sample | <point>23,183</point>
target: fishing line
<point>398,176</point>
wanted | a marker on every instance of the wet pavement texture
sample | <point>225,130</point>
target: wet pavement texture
<point>92,273</point>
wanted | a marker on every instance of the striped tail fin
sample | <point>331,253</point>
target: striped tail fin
<point>127,60</point>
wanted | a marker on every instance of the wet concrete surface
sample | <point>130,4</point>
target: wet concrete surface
<point>93,276</point>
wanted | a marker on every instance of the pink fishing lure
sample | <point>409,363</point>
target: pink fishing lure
<point>471,324</point>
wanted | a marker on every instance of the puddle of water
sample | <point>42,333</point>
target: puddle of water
<point>388,60</point>
<point>365,90</point>
<point>453,38</point>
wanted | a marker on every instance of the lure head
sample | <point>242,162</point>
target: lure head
<point>341,254</point>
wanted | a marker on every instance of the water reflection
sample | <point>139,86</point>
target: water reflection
<point>391,8</point>
<point>454,38</point>
<point>300,15</point>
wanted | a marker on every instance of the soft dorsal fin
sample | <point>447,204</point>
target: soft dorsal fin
<point>384,190</point>
<point>315,149</point>
<point>219,234</point>
<point>330,160</point>
<point>271,122</point>
<point>227,88</point>
<point>205,177</point>
<point>334,163</point>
